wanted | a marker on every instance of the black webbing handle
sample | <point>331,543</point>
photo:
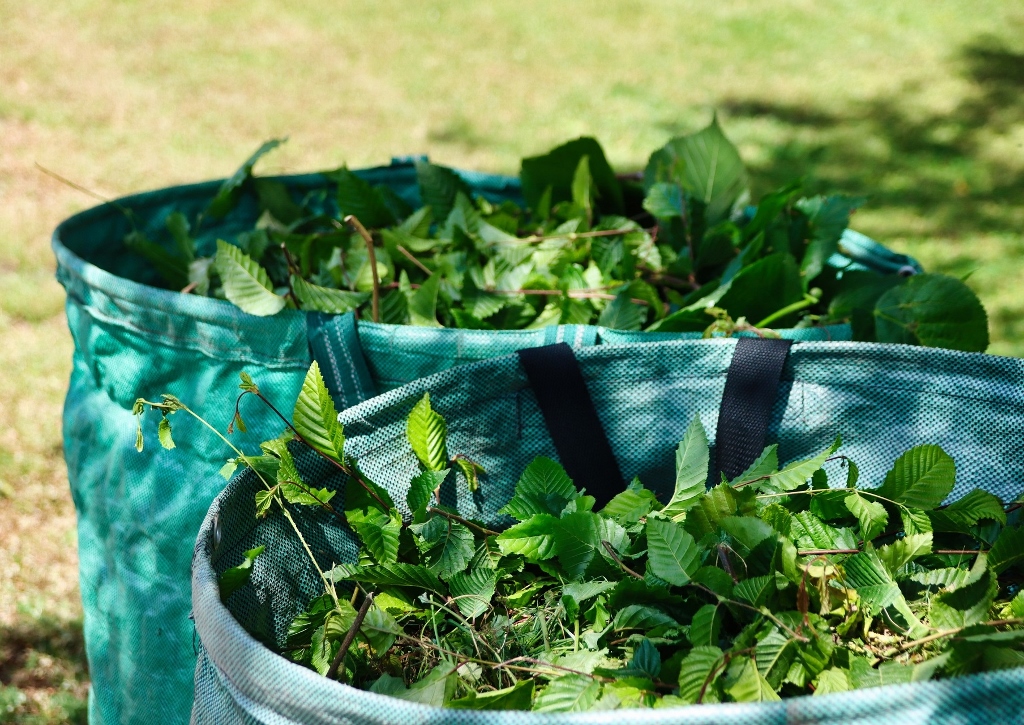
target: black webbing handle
<point>751,387</point>
<point>572,421</point>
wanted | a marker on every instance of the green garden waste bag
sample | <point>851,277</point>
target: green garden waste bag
<point>884,399</point>
<point>138,512</point>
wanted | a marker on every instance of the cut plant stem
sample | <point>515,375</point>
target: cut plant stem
<point>573,236</point>
<point>809,299</point>
<point>332,673</point>
<point>368,238</point>
<point>408,255</point>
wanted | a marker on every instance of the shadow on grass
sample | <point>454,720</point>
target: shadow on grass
<point>43,672</point>
<point>930,172</point>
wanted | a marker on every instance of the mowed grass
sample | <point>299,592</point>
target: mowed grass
<point>917,105</point>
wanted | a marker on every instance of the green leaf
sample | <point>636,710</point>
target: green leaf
<point>423,303</point>
<point>421,488</point>
<point>439,187</point>
<point>622,313</point>
<point>921,478</point>
<point>576,541</point>
<point>762,288</point>
<point>698,673</point>
<point>692,457</point>
<point>447,546</point>
<point>569,693</point>
<point>773,656</point>
<point>264,500</point>
<point>246,283</point>
<point>275,198</point>
<point>391,575</point>
<point>964,513</point>
<point>705,626</point>
<point>358,198</point>
<point>533,539</point>
<point>643,618</point>
<point>751,686</point>
<point>1008,549</point>
<point>379,629</point>
<point>231,189</point>
<point>764,465</point>
<point>377,526</point>
<point>834,679</point>
<point>631,505</point>
<point>178,226</point>
<point>315,417</point>
<point>706,165</point>
<point>827,219</point>
<point>901,552</point>
<point>428,435</point>
<point>582,184</point>
<point>470,471</point>
<point>871,515</point>
<point>473,590</point>
<point>664,200</point>
<point>544,487</point>
<point>164,434</point>
<point>325,299</point>
<point>933,310</point>
<point>556,170</point>
<point>673,554</point>
<point>862,674</point>
<point>965,606</point>
<point>435,690</point>
<point>874,584</point>
<point>517,697</point>
<point>237,577</point>
<point>755,590</point>
<point>795,474</point>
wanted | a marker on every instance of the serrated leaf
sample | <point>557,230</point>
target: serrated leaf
<point>862,674</point>
<point>556,169</point>
<point>755,590</point>
<point>796,474</point>
<point>229,191</point>
<point>705,626</point>
<point>764,465</point>
<point>569,693</point>
<point>946,578</point>
<point>899,553</point>
<point>664,200</point>
<point>1008,549</point>
<point>517,697</point>
<point>264,499</point>
<point>698,673</point>
<point>692,457</point>
<point>533,538</point>
<point>576,541</point>
<point>447,546</point>
<point>964,513</point>
<point>834,679</point>
<point>391,575</point>
<point>164,434</point>
<point>672,553</point>
<point>315,417</point>
<point>643,618</point>
<point>470,471</point>
<point>544,487</point>
<point>871,515</point>
<point>965,606</point>
<point>245,282</point>
<point>326,299</point>
<point>423,303</point>
<point>439,186</point>
<point>435,690</point>
<point>773,655</point>
<point>421,488</point>
<point>934,310</point>
<point>473,590</point>
<point>751,686</point>
<point>237,577</point>
<point>809,531</point>
<point>921,478</point>
<point>379,629</point>
<point>875,586</point>
<point>377,526</point>
<point>622,313</point>
<point>706,165</point>
<point>358,198</point>
<point>827,219</point>
<point>631,505</point>
<point>428,435</point>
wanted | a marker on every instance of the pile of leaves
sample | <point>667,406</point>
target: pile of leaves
<point>676,249</point>
<point>784,581</point>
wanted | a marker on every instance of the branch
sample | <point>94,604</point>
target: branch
<point>611,552</point>
<point>355,223</point>
<point>332,673</point>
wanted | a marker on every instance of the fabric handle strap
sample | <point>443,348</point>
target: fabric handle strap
<point>751,387</point>
<point>572,421</point>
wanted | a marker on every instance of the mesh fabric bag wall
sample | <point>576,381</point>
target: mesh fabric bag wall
<point>883,399</point>
<point>138,513</point>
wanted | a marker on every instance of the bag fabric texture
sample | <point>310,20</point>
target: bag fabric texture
<point>138,512</point>
<point>883,399</point>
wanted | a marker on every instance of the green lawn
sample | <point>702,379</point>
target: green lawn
<point>919,105</point>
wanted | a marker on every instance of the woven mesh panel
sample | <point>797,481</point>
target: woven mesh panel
<point>884,399</point>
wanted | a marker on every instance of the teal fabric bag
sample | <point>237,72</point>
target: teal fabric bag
<point>138,512</point>
<point>883,399</point>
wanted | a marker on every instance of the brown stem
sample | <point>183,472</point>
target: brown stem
<point>292,268</point>
<point>611,552</point>
<point>464,522</point>
<point>357,225</point>
<point>817,552</point>
<point>332,673</point>
<point>418,263</point>
<point>573,236</point>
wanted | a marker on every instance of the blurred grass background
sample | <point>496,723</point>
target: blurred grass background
<point>918,105</point>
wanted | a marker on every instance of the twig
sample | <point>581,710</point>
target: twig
<point>464,522</point>
<point>818,552</point>
<point>332,673</point>
<point>418,263</point>
<point>611,552</point>
<point>189,287</point>
<point>357,225</point>
<point>573,236</point>
<point>948,633</point>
